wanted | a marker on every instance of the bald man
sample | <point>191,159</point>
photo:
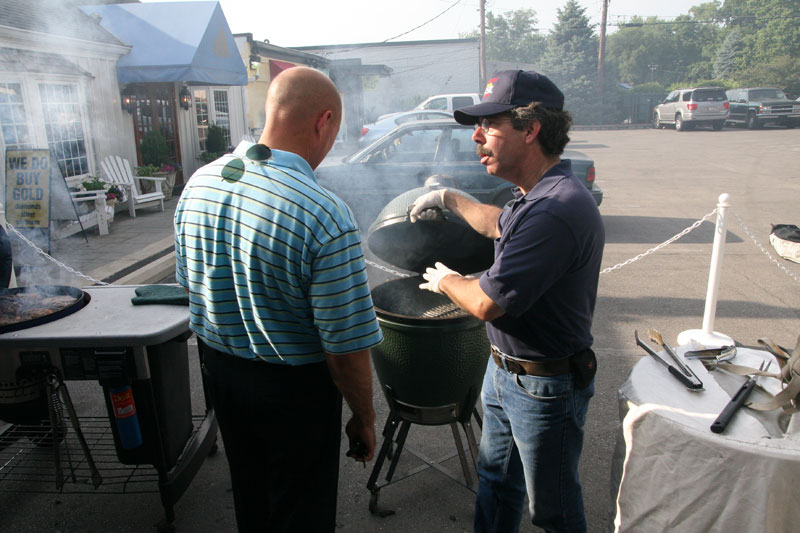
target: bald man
<point>282,311</point>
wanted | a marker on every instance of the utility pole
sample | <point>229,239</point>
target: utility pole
<point>652,68</point>
<point>482,48</point>
<point>602,49</point>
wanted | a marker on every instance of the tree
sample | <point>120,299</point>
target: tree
<point>643,52</point>
<point>570,60</point>
<point>512,36</point>
<point>769,28</point>
<point>780,71</point>
<point>727,55</point>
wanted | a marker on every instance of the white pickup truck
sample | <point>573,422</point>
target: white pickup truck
<point>443,102</point>
<point>449,102</point>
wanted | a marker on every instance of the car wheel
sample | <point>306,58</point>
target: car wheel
<point>752,123</point>
<point>679,124</point>
<point>718,125</point>
<point>656,122</point>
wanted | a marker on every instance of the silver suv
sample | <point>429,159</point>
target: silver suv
<point>687,108</point>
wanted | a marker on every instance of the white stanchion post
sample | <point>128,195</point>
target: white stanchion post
<point>707,336</point>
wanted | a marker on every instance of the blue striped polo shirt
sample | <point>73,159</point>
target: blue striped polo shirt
<point>272,261</point>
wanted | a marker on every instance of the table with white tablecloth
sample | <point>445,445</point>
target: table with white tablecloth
<point>671,473</point>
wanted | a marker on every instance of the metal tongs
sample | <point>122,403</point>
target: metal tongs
<point>679,370</point>
<point>723,353</point>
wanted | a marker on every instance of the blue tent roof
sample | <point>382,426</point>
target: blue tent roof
<point>186,42</point>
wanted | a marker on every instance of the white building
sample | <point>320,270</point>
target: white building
<point>418,69</point>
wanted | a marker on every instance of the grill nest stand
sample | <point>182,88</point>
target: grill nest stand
<point>402,415</point>
<point>431,373</point>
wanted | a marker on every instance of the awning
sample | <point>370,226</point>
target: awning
<point>187,42</point>
<point>276,67</point>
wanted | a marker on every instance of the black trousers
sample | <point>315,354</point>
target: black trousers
<point>281,428</point>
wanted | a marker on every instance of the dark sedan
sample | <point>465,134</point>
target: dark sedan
<point>403,158</point>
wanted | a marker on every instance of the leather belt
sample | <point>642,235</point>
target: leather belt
<point>545,368</point>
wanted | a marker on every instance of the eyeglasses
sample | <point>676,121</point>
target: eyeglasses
<point>490,123</point>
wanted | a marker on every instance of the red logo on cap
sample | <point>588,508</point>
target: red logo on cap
<point>489,87</point>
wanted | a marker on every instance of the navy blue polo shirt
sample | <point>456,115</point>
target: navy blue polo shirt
<point>546,268</point>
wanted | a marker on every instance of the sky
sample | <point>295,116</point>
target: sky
<point>291,23</point>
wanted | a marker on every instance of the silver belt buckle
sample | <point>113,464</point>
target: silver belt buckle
<point>503,357</point>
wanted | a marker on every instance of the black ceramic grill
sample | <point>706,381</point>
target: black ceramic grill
<point>433,357</point>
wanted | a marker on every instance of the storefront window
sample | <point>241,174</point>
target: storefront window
<point>63,127</point>
<point>13,119</point>
<point>215,111</point>
<point>201,112</point>
<point>221,113</point>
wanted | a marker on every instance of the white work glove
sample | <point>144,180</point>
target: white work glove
<point>433,276</point>
<point>422,208</point>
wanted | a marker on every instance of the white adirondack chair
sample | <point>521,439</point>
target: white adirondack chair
<point>100,216</point>
<point>117,170</point>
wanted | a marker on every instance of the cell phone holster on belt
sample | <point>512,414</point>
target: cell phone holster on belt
<point>583,366</point>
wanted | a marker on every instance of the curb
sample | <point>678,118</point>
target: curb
<point>153,272</point>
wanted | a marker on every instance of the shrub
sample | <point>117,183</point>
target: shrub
<point>215,142</point>
<point>155,151</point>
<point>147,170</point>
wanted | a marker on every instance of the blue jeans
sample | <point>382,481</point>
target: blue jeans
<point>532,438</point>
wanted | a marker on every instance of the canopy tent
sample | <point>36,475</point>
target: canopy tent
<point>187,42</point>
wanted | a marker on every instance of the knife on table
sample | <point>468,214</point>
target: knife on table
<point>736,402</point>
<point>680,376</point>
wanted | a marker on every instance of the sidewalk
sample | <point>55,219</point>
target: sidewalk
<point>135,251</point>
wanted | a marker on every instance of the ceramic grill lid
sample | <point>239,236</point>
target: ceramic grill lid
<point>416,246</point>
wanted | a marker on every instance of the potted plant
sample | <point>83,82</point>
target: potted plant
<point>113,195</point>
<point>155,159</point>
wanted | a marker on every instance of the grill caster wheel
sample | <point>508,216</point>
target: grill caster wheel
<point>214,449</point>
<point>373,506</point>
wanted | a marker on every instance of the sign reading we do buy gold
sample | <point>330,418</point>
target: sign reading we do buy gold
<point>28,188</point>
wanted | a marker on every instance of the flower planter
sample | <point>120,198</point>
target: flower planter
<point>168,185</point>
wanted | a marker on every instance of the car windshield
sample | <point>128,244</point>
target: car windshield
<point>763,94</point>
<point>420,144</point>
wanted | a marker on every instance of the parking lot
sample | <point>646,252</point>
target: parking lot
<point>656,183</point>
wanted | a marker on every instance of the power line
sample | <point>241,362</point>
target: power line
<point>400,35</point>
<point>424,23</point>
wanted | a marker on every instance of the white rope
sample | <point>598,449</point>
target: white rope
<point>53,259</point>
<point>753,238</point>
<point>404,275</point>
<point>387,269</point>
<point>660,246</point>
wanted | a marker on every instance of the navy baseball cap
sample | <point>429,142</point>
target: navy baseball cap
<point>509,89</point>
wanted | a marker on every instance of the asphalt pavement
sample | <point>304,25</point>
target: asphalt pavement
<point>656,183</point>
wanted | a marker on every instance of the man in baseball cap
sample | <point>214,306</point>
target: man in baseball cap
<point>509,89</point>
<point>537,300</point>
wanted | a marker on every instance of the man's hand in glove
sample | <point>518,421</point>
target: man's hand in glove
<point>433,276</point>
<point>423,207</point>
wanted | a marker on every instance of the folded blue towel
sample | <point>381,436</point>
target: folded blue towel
<point>160,294</point>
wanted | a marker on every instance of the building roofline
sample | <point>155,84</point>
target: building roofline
<point>384,43</point>
<point>280,52</point>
